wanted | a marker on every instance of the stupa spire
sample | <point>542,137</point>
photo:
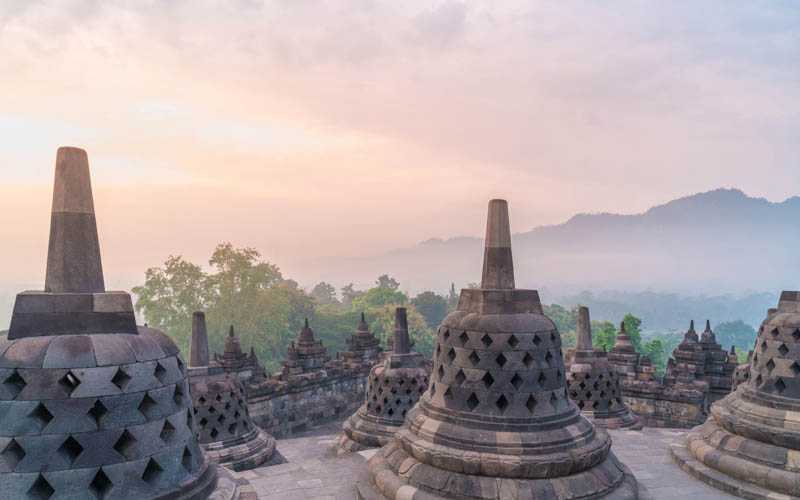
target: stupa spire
<point>73,256</point>
<point>402,344</point>
<point>199,354</point>
<point>498,264</point>
<point>584,329</point>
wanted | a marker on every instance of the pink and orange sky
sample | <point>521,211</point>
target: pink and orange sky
<point>316,128</point>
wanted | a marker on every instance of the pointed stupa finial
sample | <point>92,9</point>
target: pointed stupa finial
<point>73,255</point>
<point>305,325</point>
<point>733,349</point>
<point>584,330</point>
<point>622,328</point>
<point>708,326</point>
<point>231,332</point>
<point>306,334</point>
<point>402,344</point>
<point>199,356</point>
<point>498,264</point>
<point>691,326</point>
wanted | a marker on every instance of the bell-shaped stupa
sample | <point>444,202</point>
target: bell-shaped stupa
<point>594,384</point>
<point>92,406</point>
<point>496,421</point>
<point>222,418</point>
<point>750,444</point>
<point>393,388</point>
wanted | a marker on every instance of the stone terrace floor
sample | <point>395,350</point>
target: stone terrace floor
<point>313,471</point>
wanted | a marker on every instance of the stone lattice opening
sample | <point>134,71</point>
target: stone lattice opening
<point>14,384</point>
<point>70,450</point>
<point>121,379</point>
<point>40,489</point>
<point>12,454</point>
<point>101,485</point>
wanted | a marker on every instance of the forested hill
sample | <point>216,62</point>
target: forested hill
<point>717,242</point>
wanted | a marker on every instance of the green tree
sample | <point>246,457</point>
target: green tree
<point>378,296</point>
<point>656,351</point>
<point>349,294</point>
<point>422,336</point>
<point>386,281</point>
<point>633,327</point>
<point>432,306</point>
<point>565,319</point>
<point>324,294</point>
<point>737,333</point>
<point>604,333</point>
<point>170,295</point>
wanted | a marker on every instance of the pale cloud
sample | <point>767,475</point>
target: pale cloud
<point>310,128</point>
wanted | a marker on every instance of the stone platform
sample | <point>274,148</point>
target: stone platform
<point>313,471</point>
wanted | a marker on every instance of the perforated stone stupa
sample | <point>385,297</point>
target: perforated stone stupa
<point>305,356</point>
<point>92,406</point>
<point>222,418</point>
<point>363,346</point>
<point>393,388</point>
<point>594,384</point>
<point>750,444</point>
<point>496,421</point>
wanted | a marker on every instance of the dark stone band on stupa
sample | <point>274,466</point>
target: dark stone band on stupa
<point>199,353</point>
<point>402,344</point>
<point>74,300</point>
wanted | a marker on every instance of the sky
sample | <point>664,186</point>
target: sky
<point>309,129</point>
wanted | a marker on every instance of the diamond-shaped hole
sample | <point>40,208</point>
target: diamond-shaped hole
<point>473,401</point>
<point>796,334</point>
<point>501,403</point>
<point>69,382</point>
<point>147,405</point>
<point>40,489</point>
<point>121,379</point>
<point>152,472</point>
<point>177,396</point>
<point>180,364</point>
<point>70,449</point>
<point>500,360</point>
<point>12,454</point>
<point>14,384</point>
<point>795,368</point>
<point>441,375</point>
<point>41,415</point>
<point>448,394</point>
<point>783,350</point>
<point>780,386</point>
<point>460,377</point>
<point>214,433</point>
<point>167,431</point>
<point>232,428</point>
<point>770,365</point>
<point>186,459</point>
<point>160,372</point>
<point>464,338</point>
<point>531,403</point>
<point>542,378</point>
<point>451,354</point>
<point>516,381</point>
<point>488,380</point>
<point>536,340</point>
<point>548,357</point>
<point>474,358</point>
<point>553,399</point>
<point>527,359</point>
<point>125,443</point>
<point>486,340</point>
<point>101,485</point>
<point>97,412</point>
<point>775,332</point>
<point>513,341</point>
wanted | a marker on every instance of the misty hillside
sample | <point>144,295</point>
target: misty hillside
<point>712,243</point>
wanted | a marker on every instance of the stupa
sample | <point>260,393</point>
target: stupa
<point>364,347</point>
<point>92,406</point>
<point>750,444</point>
<point>594,384</point>
<point>623,356</point>
<point>304,356</point>
<point>393,388</point>
<point>222,418</point>
<point>496,421</point>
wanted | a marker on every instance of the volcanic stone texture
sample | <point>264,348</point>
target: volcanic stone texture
<point>98,416</point>
<point>393,388</point>
<point>223,425</point>
<point>750,445</point>
<point>594,385</point>
<point>496,421</point>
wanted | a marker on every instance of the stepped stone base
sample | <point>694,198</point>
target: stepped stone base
<point>198,488</point>
<point>244,453</point>
<point>399,476</point>
<point>625,420</point>
<point>718,480</point>
<point>363,431</point>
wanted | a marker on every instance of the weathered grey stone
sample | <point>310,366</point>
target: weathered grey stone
<point>750,445</point>
<point>497,406</point>
<point>199,349</point>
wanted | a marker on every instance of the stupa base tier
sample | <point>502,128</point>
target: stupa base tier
<point>738,465</point>
<point>625,420</point>
<point>397,475</point>
<point>361,434</point>
<point>198,488</point>
<point>249,454</point>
